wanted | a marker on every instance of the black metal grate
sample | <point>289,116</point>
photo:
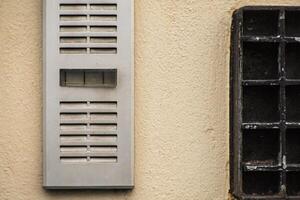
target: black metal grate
<point>265,103</point>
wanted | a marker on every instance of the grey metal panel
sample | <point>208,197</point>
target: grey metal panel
<point>105,169</point>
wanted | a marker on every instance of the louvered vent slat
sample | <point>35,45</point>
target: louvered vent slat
<point>88,132</point>
<point>88,27</point>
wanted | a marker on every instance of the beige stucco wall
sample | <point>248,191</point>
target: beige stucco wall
<point>181,101</point>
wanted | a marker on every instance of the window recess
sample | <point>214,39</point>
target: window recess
<point>265,103</point>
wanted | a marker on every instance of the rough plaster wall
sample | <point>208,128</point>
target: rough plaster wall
<point>181,101</point>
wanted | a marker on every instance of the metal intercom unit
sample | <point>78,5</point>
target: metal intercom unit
<point>265,102</point>
<point>88,94</point>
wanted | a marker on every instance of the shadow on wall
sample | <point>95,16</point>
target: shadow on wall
<point>85,192</point>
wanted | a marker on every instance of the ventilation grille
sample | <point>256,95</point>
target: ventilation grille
<point>88,132</point>
<point>88,28</point>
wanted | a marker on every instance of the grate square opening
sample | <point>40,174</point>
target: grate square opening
<point>292,61</point>
<point>292,103</point>
<point>292,23</point>
<point>261,147</point>
<point>260,60</point>
<point>261,183</point>
<point>293,146</point>
<point>260,22</point>
<point>293,183</point>
<point>260,104</point>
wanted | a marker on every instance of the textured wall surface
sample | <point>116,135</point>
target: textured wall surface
<point>181,101</point>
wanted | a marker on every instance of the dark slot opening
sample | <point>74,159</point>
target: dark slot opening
<point>293,60</point>
<point>261,146</point>
<point>103,50</point>
<point>293,183</point>
<point>260,61</point>
<point>292,103</point>
<point>292,23</point>
<point>104,28</point>
<point>74,146</point>
<point>103,157</point>
<point>113,146</point>
<point>73,4</point>
<point>73,39</point>
<point>260,22</point>
<point>293,146</point>
<point>72,157</point>
<point>260,104</point>
<point>72,50</point>
<point>261,183</point>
